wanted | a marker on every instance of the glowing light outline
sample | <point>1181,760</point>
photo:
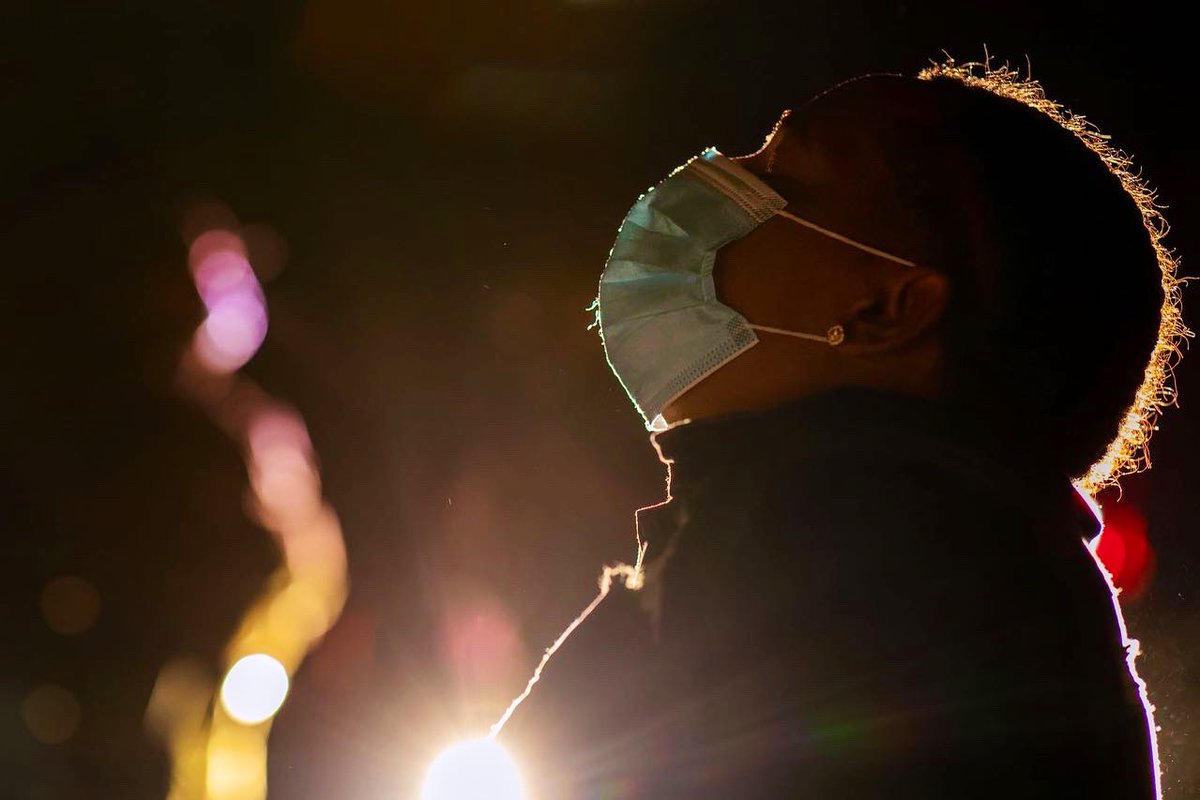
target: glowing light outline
<point>1128,452</point>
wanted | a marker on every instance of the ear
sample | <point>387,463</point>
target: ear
<point>910,303</point>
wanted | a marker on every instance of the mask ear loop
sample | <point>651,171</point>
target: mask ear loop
<point>866,248</point>
<point>836,334</point>
<point>833,337</point>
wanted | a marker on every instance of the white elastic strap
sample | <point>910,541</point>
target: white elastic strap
<point>866,248</point>
<point>768,329</point>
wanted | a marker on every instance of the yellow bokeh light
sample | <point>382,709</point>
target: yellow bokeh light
<point>237,765</point>
<point>477,769</point>
<point>254,688</point>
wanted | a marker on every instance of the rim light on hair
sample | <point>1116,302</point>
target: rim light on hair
<point>1128,452</point>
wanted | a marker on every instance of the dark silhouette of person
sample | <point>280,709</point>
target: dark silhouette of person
<point>939,302</point>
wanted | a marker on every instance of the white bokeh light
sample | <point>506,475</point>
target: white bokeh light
<point>254,688</point>
<point>477,769</point>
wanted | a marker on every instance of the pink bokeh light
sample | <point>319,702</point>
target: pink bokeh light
<point>224,273</point>
<point>480,642</point>
<point>275,427</point>
<point>216,240</point>
<point>284,478</point>
<point>232,333</point>
<point>236,324</point>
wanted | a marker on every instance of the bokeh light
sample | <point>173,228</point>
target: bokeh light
<point>480,642</point>
<point>300,610</point>
<point>267,249</point>
<point>70,605</point>
<point>51,714</point>
<point>284,478</point>
<point>237,312</point>
<point>232,332</point>
<point>1124,549</point>
<point>237,768</point>
<point>220,267</point>
<point>223,756</point>
<point>254,688</point>
<point>477,769</point>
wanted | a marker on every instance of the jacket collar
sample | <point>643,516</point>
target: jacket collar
<point>874,426</point>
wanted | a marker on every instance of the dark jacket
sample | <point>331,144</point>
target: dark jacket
<point>857,595</point>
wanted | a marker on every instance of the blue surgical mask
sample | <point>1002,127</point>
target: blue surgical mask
<point>661,323</point>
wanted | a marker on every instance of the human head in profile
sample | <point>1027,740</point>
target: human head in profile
<point>957,236</point>
<point>877,354</point>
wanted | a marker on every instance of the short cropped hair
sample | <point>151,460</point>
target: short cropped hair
<point>1064,319</point>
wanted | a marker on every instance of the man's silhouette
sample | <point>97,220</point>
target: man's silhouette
<point>937,302</point>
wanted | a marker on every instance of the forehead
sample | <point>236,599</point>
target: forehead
<point>877,159</point>
<point>840,178</point>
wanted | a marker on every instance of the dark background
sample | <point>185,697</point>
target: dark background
<point>448,178</point>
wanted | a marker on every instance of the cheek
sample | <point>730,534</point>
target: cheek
<point>782,275</point>
<point>752,270</point>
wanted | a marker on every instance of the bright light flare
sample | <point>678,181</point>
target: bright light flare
<point>254,688</point>
<point>477,769</point>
